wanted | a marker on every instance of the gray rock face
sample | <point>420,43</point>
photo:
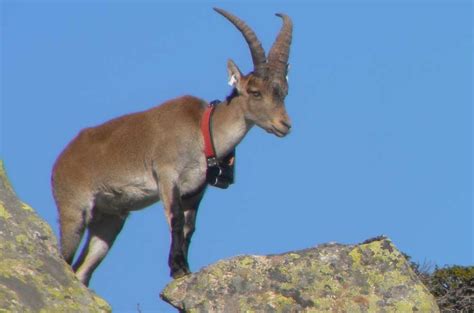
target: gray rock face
<point>369,277</point>
<point>33,276</point>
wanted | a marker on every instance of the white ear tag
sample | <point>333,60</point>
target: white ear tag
<point>232,81</point>
<point>287,71</point>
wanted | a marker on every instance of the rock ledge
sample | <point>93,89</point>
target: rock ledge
<point>369,277</point>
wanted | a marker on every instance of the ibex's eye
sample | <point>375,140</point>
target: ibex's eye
<point>255,93</point>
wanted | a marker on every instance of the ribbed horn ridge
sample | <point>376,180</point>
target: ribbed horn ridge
<point>280,51</point>
<point>256,49</point>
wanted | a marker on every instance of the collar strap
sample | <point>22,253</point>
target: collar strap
<point>206,131</point>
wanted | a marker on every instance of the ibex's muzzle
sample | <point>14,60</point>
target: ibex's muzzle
<point>280,126</point>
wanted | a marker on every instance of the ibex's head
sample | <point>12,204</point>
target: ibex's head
<point>264,89</point>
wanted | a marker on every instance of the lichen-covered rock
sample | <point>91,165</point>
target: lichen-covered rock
<point>33,276</point>
<point>369,277</point>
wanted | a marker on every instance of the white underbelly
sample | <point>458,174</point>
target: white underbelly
<point>132,196</point>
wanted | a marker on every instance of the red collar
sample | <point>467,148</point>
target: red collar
<point>206,131</point>
<point>219,174</point>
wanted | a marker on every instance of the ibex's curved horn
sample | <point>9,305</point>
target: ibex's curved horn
<point>280,51</point>
<point>256,49</point>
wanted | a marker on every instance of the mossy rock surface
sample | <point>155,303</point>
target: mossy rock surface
<point>33,276</point>
<point>369,277</point>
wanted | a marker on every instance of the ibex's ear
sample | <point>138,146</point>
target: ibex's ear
<point>235,76</point>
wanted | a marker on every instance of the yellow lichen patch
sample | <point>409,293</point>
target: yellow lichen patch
<point>277,300</point>
<point>385,249</point>
<point>9,301</point>
<point>215,275</point>
<point>11,268</point>
<point>294,256</point>
<point>5,267</point>
<point>103,305</point>
<point>21,239</point>
<point>324,269</point>
<point>356,256</point>
<point>274,300</point>
<point>26,207</point>
<point>175,283</point>
<point>323,304</point>
<point>3,212</point>
<point>426,302</point>
<point>247,262</point>
<point>4,178</point>
<point>403,306</point>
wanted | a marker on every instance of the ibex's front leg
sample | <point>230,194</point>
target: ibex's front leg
<point>171,199</point>
<point>190,206</point>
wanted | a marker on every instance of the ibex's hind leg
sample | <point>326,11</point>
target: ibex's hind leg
<point>73,220</point>
<point>103,230</point>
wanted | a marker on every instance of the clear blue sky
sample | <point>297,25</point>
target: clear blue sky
<point>380,98</point>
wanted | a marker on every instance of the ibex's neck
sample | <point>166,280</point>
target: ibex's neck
<point>229,126</point>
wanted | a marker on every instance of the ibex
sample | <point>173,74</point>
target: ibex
<point>133,161</point>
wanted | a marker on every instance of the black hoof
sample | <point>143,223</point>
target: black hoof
<point>180,273</point>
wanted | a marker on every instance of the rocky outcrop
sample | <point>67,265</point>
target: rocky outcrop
<point>370,277</point>
<point>33,276</point>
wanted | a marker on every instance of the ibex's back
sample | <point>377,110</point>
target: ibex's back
<point>117,163</point>
<point>133,161</point>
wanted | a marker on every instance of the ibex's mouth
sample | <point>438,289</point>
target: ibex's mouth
<point>277,131</point>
